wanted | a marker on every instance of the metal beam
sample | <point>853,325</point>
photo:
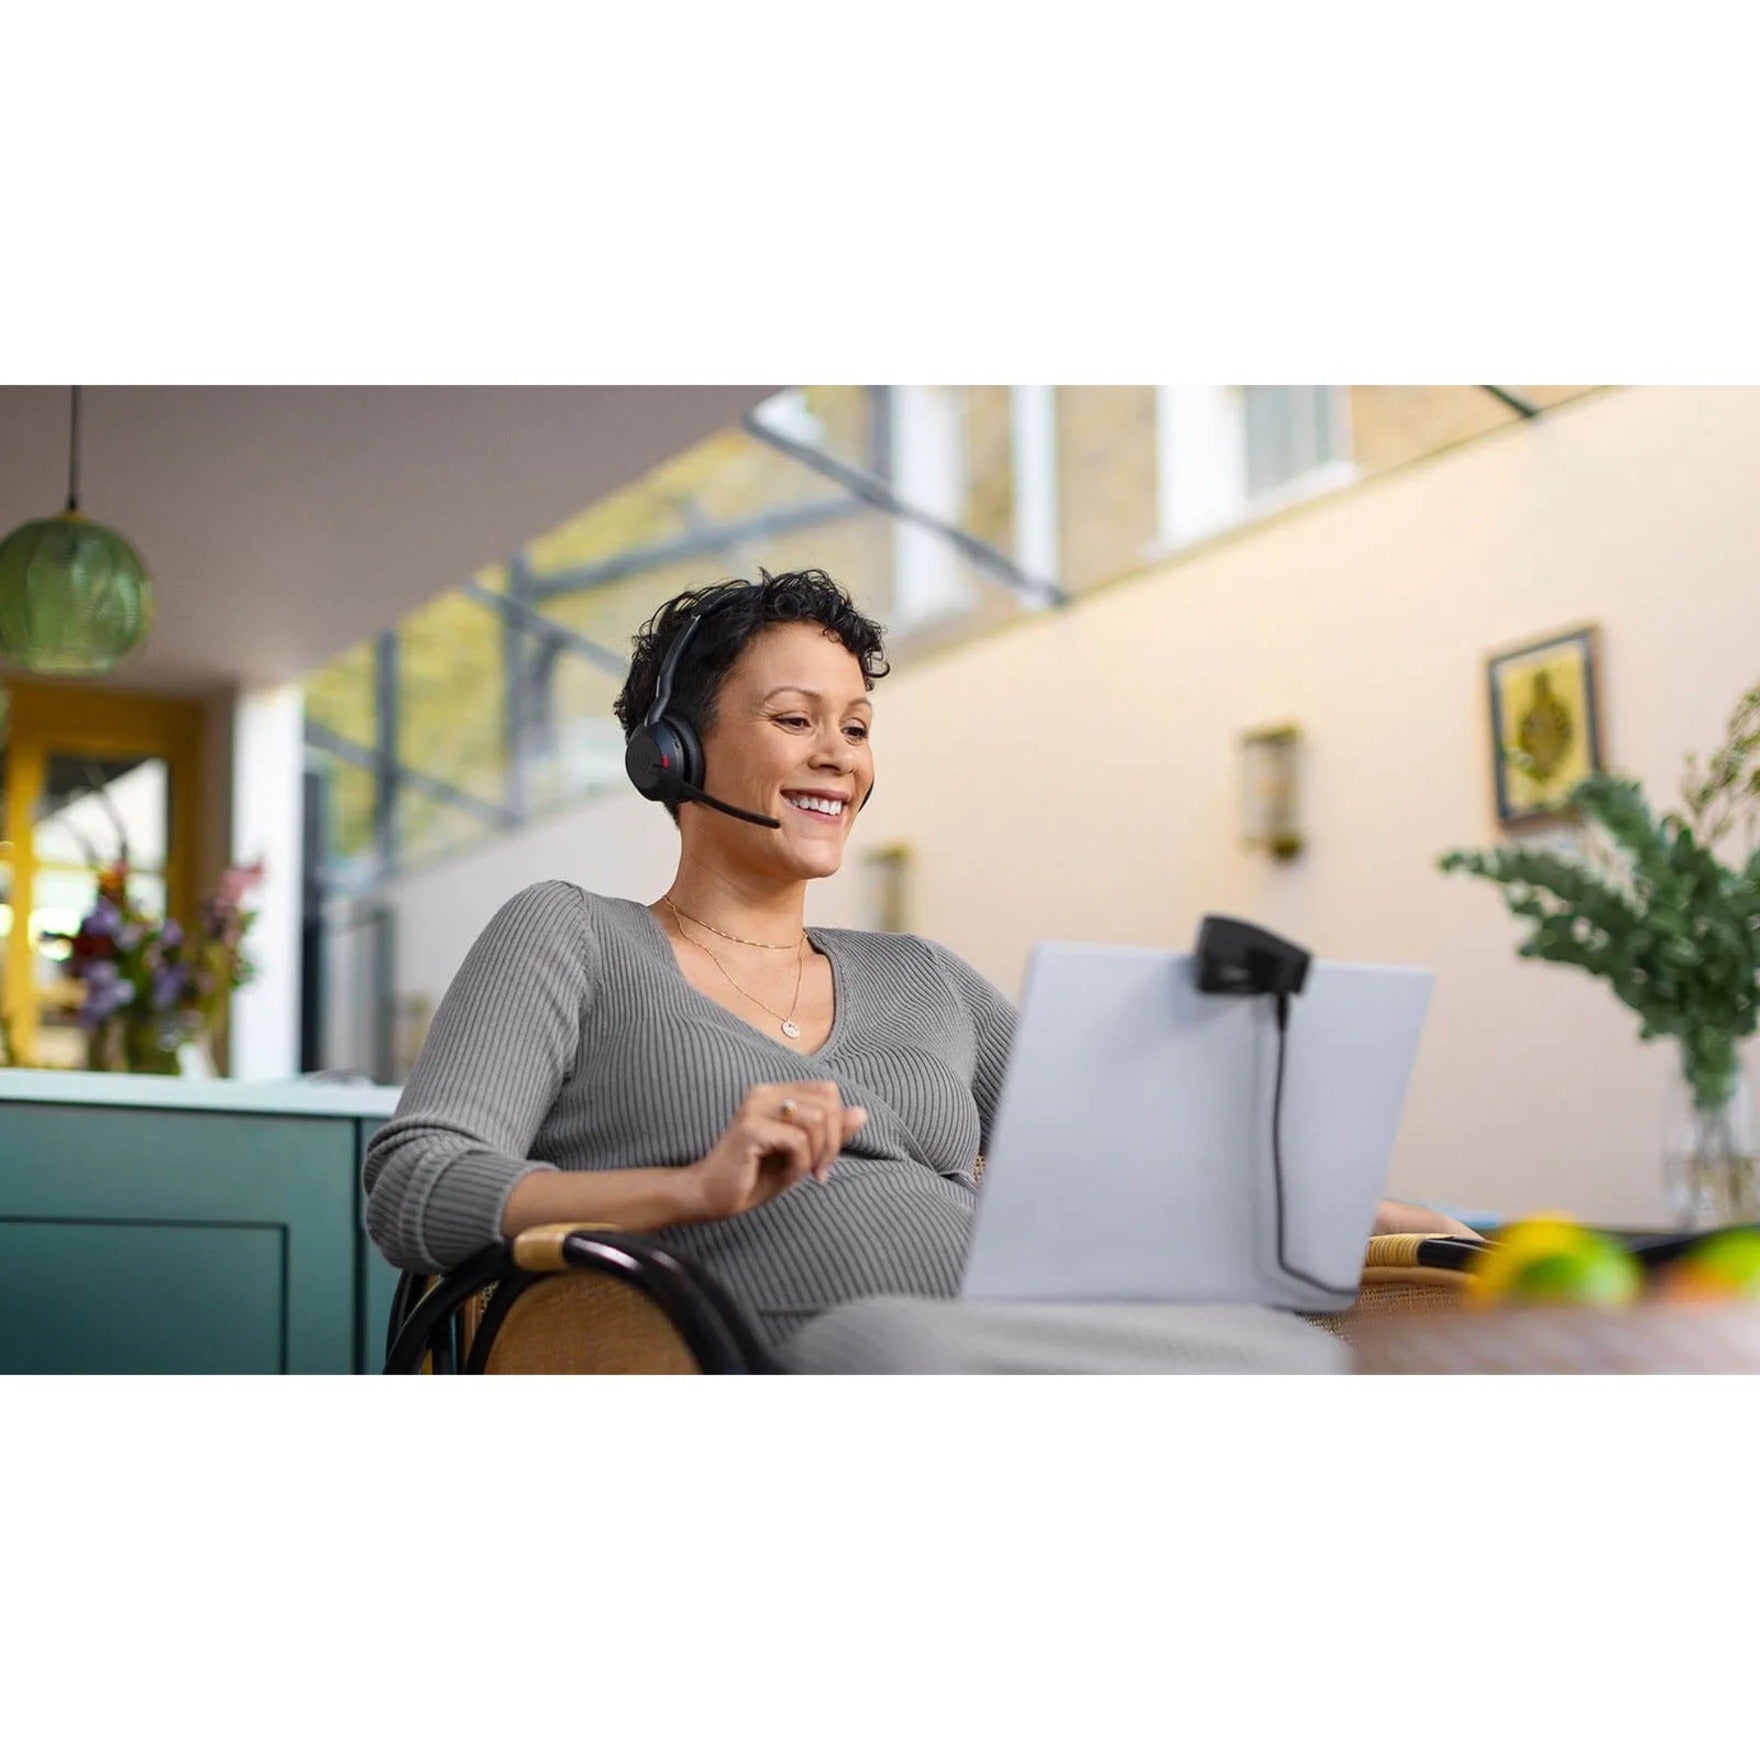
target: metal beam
<point>313,975</point>
<point>876,493</point>
<point>382,922</point>
<point>325,739</point>
<point>513,695</point>
<point>1527,411</point>
<point>541,683</point>
<point>536,623</point>
<point>880,431</point>
<point>706,541</point>
<point>385,751</point>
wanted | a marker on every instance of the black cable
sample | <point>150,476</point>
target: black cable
<point>1282,1001</point>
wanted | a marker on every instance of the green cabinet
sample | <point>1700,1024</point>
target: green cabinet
<point>149,1225</point>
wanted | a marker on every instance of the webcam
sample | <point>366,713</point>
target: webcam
<point>1241,959</point>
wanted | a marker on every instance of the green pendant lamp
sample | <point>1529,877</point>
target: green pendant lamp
<point>75,600</point>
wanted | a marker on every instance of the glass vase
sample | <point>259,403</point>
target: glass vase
<point>127,1045</point>
<point>150,1048</point>
<point>104,1046</point>
<point>1708,1157</point>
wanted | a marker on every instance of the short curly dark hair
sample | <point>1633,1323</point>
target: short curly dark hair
<point>741,608</point>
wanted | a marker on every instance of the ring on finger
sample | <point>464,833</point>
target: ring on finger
<point>789,1109</point>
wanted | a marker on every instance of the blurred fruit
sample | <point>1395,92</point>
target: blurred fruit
<point>1725,1268</point>
<point>1550,1259</point>
<point>1601,1275</point>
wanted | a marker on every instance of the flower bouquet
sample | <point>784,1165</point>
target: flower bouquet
<point>152,987</point>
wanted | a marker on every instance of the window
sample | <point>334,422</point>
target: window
<point>1229,452</point>
<point>1293,431</point>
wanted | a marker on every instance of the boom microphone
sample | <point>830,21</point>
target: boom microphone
<point>689,791</point>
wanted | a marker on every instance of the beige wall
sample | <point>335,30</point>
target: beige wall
<point>1075,776</point>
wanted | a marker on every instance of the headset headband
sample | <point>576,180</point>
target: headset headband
<point>663,690</point>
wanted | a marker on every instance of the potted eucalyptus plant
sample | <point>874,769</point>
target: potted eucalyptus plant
<point>1654,909</point>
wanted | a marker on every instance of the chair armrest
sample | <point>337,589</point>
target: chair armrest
<point>1406,1273</point>
<point>717,1334</point>
<point>1438,1252</point>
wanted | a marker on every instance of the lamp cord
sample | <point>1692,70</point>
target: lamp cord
<point>73,455</point>
<point>1282,1000</point>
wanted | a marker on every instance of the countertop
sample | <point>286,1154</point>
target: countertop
<point>53,1087</point>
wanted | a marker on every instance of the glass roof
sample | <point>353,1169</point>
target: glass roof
<point>946,510</point>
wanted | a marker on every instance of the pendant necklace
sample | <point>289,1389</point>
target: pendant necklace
<point>790,1027</point>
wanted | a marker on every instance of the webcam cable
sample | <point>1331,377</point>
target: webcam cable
<point>1281,999</point>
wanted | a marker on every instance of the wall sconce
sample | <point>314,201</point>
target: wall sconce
<point>1271,791</point>
<point>888,874</point>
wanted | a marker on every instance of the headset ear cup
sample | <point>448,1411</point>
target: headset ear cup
<point>641,763</point>
<point>656,757</point>
<point>690,754</point>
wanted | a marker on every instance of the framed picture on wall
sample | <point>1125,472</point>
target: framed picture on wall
<point>1545,725</point>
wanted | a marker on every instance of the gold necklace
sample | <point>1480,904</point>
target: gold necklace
<point>774,946</point>
<point>789,1025</point>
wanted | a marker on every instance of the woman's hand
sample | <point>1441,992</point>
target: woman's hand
<point>782,1133</point>
<point>1394,1217</point>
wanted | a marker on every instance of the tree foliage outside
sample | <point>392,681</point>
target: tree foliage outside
<point>1653,910</point>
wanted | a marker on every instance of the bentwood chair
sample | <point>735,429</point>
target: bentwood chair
<point>572,1299</point>
<point>577,1299</point>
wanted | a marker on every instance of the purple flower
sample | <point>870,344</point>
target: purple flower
<point>171,936</point>
<point>105,993</point>
<point>102,919</point>
<point>168,987</point>
<point>128,937</point>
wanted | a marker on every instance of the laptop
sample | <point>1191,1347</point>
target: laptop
<point>1132,1158</point>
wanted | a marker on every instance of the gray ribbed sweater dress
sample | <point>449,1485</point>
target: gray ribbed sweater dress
<point>571,1039</point>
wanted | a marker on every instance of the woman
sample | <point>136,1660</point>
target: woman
<point>799,1111</point>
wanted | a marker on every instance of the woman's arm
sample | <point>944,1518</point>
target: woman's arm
<point>782,1133</point>
<point>502,1044</point>
<point>1394,1217</point>
<point>638,1199</point>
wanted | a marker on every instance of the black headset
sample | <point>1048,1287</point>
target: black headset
<point>663,756</point>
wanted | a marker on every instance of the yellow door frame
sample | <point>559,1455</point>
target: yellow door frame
<point>105,724</point>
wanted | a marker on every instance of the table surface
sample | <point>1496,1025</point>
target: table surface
<point>1647,1338</point>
